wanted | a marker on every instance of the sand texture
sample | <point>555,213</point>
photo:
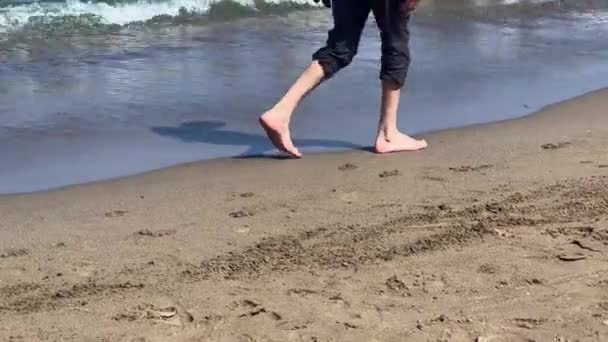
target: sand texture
<point>495,233</point>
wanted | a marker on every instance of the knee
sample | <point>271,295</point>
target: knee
<point>334,58</point>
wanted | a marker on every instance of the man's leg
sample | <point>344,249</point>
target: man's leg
<point>390,139</point>
<point>276,121</point>
<point>349,19</point>
<point>392,19</point>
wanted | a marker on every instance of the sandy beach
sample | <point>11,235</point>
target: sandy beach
<point>497,232</point>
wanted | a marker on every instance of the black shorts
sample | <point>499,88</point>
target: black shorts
<point>350,17</point>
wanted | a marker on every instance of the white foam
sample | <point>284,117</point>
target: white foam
<point>121,14</point>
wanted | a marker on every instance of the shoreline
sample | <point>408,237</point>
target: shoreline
<point>495,233</point>
<point>432,133</point>
<point>86,131</point>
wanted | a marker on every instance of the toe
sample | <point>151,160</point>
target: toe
<point>291,149</point>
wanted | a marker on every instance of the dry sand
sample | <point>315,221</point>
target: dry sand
<point>495,233</point>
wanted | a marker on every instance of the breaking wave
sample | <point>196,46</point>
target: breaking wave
<point>17,14</point>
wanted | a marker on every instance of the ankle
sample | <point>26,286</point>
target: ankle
<point>387,133</point>
<point>284,110</point>
<point>277,113</point>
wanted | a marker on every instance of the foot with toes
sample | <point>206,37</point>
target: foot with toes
<point>276,126</point>
<point>397,142</point>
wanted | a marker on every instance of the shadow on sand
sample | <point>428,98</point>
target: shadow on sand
<point>210,132</point>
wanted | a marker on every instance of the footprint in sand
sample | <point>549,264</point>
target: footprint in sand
<point>172,315</point>
<point>246,338</point>
<point>240,214</point>
<point>528,323</point>
<point>534,281</point>
<point>468,168</point>
<point>487,269</point>
<point>116,213</point>
<point>391,173</point>
<point>338,299</point>
<point>396,285</point>
<point>301,292</point>
<point>348,325</point>
<point>552,146</point>
<point>155,233</point>
<point>233,195</point>
<point>347,167</point>
<point>13,253</point>
<point>250,308</point>
<point>434,178</point>
<point>294,325</point>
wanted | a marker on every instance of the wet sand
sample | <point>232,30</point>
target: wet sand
<point>497,232</point>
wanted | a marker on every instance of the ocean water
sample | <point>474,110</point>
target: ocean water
<point>91,90</point>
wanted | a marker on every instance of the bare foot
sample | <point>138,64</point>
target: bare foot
<point>277,130</point>
<point>398,142</point>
